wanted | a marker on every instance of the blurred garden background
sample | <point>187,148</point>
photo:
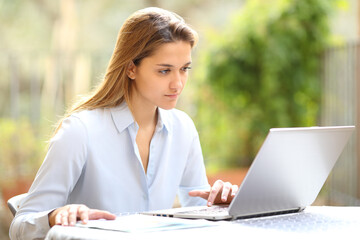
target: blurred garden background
<point>259,64</point>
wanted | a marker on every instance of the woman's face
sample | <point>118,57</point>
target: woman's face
<point>160,78</point>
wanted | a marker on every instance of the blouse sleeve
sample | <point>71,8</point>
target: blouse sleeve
<point>54,181</point>
<point>194,176</point>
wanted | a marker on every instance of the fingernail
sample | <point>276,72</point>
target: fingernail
<point>209,204</point>
<point>224,199</point>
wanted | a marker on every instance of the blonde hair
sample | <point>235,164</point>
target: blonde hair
<point>141,34</point>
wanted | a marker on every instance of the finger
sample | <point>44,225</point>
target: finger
<point>225,191</point>
<point>234,190</point>
<point>64,217</point>
<point>83,213</point>
<point>199,193</point>
<point>73,209</point>
<point>98,214</point>
<point>214,192</point>
<point>58,217</point>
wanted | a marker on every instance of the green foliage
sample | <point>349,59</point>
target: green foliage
<point>20,150</point>
<point>263,72</point>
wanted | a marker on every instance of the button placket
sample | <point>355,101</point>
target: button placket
<point>133,132</point>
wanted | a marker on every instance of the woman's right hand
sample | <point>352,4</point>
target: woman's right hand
<point>69,214</point>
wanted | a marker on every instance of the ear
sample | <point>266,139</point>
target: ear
<point>131,70</point>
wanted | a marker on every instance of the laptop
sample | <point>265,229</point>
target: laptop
<point>286,175</point>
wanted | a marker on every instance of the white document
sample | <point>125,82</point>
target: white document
<point>142,223</point>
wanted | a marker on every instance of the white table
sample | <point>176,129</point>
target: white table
<point>341,223</point>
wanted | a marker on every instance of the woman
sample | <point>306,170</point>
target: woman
<point>125,148</point>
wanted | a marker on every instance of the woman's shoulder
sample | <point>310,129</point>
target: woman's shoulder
<point>177,119</point>
<point>91,117</point>
<point>179,114</point>
<point>86,114</point>
<point>80,123</point>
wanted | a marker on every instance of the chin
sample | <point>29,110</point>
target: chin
<point>167,106</point>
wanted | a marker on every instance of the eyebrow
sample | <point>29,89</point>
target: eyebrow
<point>169,65</point>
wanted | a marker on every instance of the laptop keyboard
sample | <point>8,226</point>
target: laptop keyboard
<point>298,222</point>
<point>210,211</point>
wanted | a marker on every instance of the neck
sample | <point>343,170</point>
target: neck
<point>144,115</point>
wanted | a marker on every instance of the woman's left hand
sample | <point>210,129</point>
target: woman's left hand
<point>220,193</point>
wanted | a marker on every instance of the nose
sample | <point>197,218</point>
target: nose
<point>177,82</point>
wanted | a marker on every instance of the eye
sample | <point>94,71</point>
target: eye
<point>185,69</point>
<point>166,71</point>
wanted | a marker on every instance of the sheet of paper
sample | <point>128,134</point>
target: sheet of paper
<point>142,223</point>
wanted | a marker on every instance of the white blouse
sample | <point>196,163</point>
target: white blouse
<point>94,160</point>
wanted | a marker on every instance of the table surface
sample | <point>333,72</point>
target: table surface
<point>340,222</point>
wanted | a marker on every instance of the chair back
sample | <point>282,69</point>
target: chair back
<point>14,202</point>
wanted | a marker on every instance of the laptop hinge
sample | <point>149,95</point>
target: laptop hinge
<point>270,213</point>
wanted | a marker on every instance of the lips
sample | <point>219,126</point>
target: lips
<point>173,96</point>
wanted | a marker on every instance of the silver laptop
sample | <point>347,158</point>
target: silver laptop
<point>286,176</point>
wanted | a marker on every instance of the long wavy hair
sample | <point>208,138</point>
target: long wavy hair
<point>140,35</point>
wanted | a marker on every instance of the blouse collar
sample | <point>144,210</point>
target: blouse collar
<point>123,118</point>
